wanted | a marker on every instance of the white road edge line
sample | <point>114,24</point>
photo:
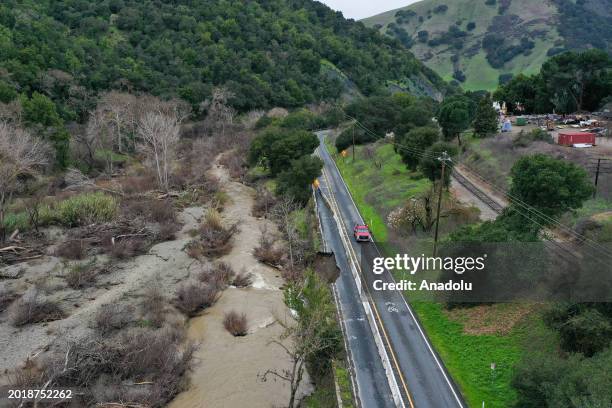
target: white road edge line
<point>356,389</point>
<point>349,353</point>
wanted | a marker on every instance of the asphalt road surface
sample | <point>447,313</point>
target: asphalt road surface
<point>422,378</point>
<point>372,387</point>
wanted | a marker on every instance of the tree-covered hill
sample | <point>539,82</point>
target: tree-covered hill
<point>480,43</point>
<point>267,52</point>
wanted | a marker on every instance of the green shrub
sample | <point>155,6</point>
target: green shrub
<point>345,140</point>
<point>541,135</point>
<point>13,221</point>
<point>295,181</point>
<point>304,120</point>
<point>264,122</point>
<point>21,220</point>
<point>85,209</point>
<point>525,139</point>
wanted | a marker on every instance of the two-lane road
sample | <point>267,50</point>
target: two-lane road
<point>420,374</point>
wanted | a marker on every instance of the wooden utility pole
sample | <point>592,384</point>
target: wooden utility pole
<point>597,176</point>
<point>444,158</point>
<point>353,143</point>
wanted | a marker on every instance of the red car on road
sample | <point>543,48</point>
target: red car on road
<point>362,233</point>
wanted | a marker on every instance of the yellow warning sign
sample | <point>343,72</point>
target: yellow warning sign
<point>315,183</point>
<point>344,153</point>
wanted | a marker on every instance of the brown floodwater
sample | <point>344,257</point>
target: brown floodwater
<point>226,368</point>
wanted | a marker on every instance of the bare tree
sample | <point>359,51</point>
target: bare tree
<point>418,212</point>
<point>251,118</point>
<point>159,133</point>
<point>115,121</point>
<point>76,180</point>
<point>98,136</point>
<point>283,214</point>
<point>307,342</point>
<point>33,206</point>
<point>220,114</point>
<point>176,107</point>
<point>20,155</point>
<point>119,110</point>
<point>11,112</point>
<point>53,79</point>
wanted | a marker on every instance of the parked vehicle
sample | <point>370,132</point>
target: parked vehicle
<point>362,233</point>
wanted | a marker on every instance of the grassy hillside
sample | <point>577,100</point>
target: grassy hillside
<point>476,41</point>
<point>268,53</point>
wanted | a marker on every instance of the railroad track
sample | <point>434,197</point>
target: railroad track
<point>562,250</point>
<point>481,195</point>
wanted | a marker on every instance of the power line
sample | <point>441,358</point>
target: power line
<point>402,147</point>
<point>515,200</point>
<point>547,219</point>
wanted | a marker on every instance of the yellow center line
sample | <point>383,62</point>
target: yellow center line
<point>377,314</point>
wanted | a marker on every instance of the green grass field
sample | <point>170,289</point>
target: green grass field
<point>467,357</point>
<point>379,190</point>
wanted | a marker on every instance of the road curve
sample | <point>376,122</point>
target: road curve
<point>420,373</point>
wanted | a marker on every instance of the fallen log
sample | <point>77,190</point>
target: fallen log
<point>275,266</point>
<point>118,237</point>
<point>15,254</point>
<point>168,195</point>
<point>13,248</point>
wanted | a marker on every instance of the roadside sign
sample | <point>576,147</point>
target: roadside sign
<point>316,184</point>
<point>344,153</point>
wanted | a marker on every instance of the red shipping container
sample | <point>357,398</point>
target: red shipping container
<point>572,138</point>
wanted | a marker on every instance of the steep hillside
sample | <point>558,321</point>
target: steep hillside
<point>476,42</point>
<point>268,52</point>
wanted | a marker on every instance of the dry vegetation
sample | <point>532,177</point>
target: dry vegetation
<point>136,367</point>
<point>236,324</point>
<point>243,280</point>
<point>154,304</point>
<point>193,297</point>
<point>268,253</point>
<point>264,202</point>
<point>34,307</point>
<point>496,319</point>
<point>112,317</point>
<point>72,249</point>
<point>294,252</point>
<point>125,249</point>
<point>220,275</point>
<point>235,162</point>
<point>214,238</point>
<point>7,296</point>
<point>81,275</point>
<point>21,155</point>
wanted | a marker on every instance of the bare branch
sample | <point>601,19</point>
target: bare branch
<point>159,133</point>
<point>20,155</point>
